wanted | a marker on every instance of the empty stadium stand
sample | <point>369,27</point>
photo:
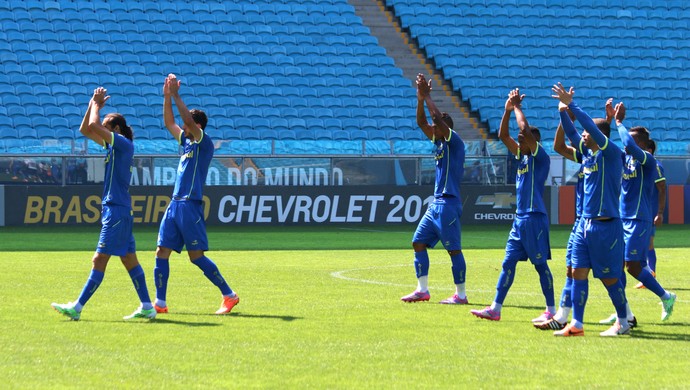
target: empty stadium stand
<point>630,50</point>
<point>297,61</point>
<point>301,76</point>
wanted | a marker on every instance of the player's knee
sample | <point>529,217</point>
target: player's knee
<point>418,246</point>
<point>193,255</point>
<point>455,252</point>
<point>634,268</point>
<point>100,261</point>
<point>163,253</point>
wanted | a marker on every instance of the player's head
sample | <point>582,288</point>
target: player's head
<point>603,126</point>
<point>446,118</point>
<point>651,146</point>
<point>117,124</point>
<point>200,118</point>
<point>641,136</point>
<point>524,148</point>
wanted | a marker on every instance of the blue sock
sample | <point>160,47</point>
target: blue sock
<point>139,281</point>
<point>624,278</point>
<point>95,279</point>
<point>651,283</point>
<point>617,295</point>
<point>651,259</point>
<point>505,280</point>
<point>579,297</point>
<point>213,274</point>
<point>546,281</point>
<point>421,264</point>
<point>459,268</point>
<point>566,300</point>
<point>160,277</point>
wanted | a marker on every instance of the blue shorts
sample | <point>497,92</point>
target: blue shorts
<point>183,225</point>
<point>529,239</point>
<point>599,245</point>
<point>653,230</point>
<point>569,247</point>
<point>441,222</point>
<point>636,234</point>
<point>116,233</point>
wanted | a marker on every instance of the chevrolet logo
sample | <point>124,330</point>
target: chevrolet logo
<point>499,200</point>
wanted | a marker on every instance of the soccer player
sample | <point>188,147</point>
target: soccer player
<point>529,236</point>
<point>116,217</point>
<point>658,207</point>
<point>560,319</point>
<point>183,224</point>
<point>636,199</point>
<point>598,242</point>
<point>441,221</point>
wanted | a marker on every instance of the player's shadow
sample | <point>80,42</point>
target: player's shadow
<point>239,314</point>
<point>641,334</point>
<point>164,321</point>
<point>167,321</point>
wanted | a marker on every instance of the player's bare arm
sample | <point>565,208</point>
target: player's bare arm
<point>186,116</point>
<point>168,116</point>
<point>440,126</point>
<point>422,89</point>
<point>559,145</point>
<point>84,127</point>
<point>525,130</point>
<point>659,218</point>
<point>100,133</point>
<point>504,128</point>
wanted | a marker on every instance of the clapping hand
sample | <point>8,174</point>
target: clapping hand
<point>423,86</point>
<point>99,96</point>
<point>566,97</point>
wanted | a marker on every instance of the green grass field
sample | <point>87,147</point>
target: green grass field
<point>320,308</point>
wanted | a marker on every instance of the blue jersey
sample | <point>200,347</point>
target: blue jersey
<point>579,190</point>
<point>639,174</point>
<point>450,166</point>
<point>193,167</point>
<point>532,172</point>
<point>659,177</point>
<point>118,171</point>
<point>602,169</point>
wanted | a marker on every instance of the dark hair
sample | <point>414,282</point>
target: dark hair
<point>535,131</point>
<point>603,126</point>
<point>119,120</point>
<point>446,118</point>
<point>199,117</point>
<point>651,145</point>
<point>641,132</point>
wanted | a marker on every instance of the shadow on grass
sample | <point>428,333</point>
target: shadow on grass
<point>239,314</point>
<point>157,321</point>
<point>641,334</point>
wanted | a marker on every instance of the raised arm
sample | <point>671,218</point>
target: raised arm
<point>560,147</point>
<point>186,116</point>
<point>631,146</point>
<point>97,132</point>
<point>168,116</point>
<point>436,114</point>
<point>84,127</point>
<point>422,89</point>
<point>504,129</point>
<point>523,125</point>
<point>566,97</point>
